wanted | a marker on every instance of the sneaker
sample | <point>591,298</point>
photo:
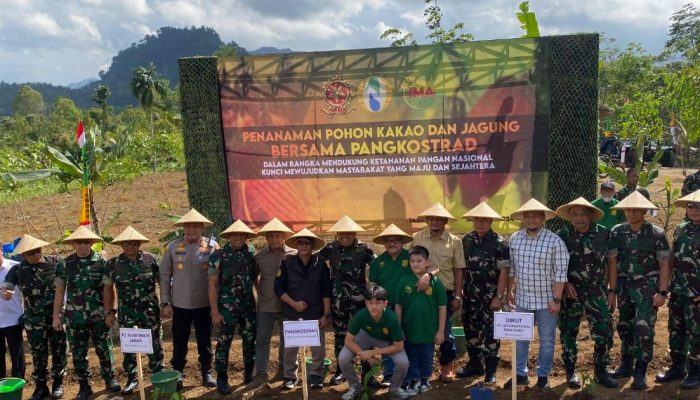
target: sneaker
<point>315,382</point>
<point>353,393</point>
<point>258,380</point>
<point>542,382</point>
<point>400,394</point>
<point>412,388</point>
<point>424,387</point>
<point>289,384</point>
<point>521,381</point>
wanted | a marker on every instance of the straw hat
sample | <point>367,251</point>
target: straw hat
<point>482,211</point>
<point>635,201</point>
<point>274,225</point>
<point>346,224</point>
<point>305,233</point>
<point>564,210</point>
<point>193,216</point>
<point>82,233</point>
<point>437,210</point>
<point>238,227</point>
<point>393,230</point>
<point>29,243</point>
<point>533,205</point>
<point>693,198</point>
<point>130,235</point>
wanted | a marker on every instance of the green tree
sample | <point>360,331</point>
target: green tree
<point>28,101</point>
<point>100,96</point>
<point>64,117</point>
<point>148,89</point>
<point>528,20</point>
<point>436,32</point>
<point>684,36</point>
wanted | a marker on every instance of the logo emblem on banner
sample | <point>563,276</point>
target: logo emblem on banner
<point>418,93</point>
<point>376,94</point>
<point>337,96</point>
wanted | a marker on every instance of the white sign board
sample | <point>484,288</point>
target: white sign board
<point>301,333</point>
<point>513,325</point>
<point>134,340</point>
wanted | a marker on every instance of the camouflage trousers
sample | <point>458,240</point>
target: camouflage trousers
<point>594,301</point>
<point>637,320</point>
<point>78,337</point>
<point>343,308</point>
<point>477,319</point>
<point>245,322</point>
<point>155,359</point>
<point>43,338</point>
<point>684,327</point>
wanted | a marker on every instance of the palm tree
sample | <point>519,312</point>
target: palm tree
<point>99,96</point>
<point>148,89</point>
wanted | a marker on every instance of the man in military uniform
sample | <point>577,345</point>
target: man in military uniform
<point>81,276</point>
<point>587,289</point>
<point>231,276</point>
<point>347,259</point>
<point>35,277</point>
<point>184,292</point>
<point>683,313</point>
<point>447,259</point>
<point>605,203</point>
<point>643,271</point>
<point>632,180</point>
<point>691,183</point>
<point>485,278</point>
<point>134,274</point>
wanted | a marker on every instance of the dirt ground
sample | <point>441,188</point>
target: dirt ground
<point>139,203</point>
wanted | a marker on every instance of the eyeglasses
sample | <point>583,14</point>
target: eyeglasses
<point>131,243</point>
<point>392,241</point>
<point>304,242</point>
<point>693,207</point>
<point>33,252</point>
<point>83,242</point>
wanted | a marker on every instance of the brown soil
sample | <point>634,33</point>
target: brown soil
<point>137,202</point>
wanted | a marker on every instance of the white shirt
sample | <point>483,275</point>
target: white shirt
<point>10,310</point>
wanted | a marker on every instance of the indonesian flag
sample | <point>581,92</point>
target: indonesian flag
<point>80,134</point>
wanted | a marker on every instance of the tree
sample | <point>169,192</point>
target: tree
<point>437,33</point>
<point>99,96</point>
<point>28,101</point>
<point>230,49</point>
<point>684,36</point>
<point>148,89</point>
<point>528,20</point>
<point>62,123</point>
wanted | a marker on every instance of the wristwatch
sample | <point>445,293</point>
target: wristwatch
<point>613,290</point>
<point>112,311</point>
<point>164,304</point>
<point>458,298</point>
<point>557,300</point>
<point>663,293</point>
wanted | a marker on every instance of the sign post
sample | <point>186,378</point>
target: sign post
<point>513,326</point>
<point>134,340</point>
<point>300,334</point>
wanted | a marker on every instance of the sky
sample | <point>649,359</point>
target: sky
<point>67,41</point>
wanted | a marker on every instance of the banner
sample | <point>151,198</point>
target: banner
<point>382,134</point>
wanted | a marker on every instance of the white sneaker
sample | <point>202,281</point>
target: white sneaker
<point>425,387</point>
<point>400,394</point>
<point>412,388</point>
<point>352,394</point>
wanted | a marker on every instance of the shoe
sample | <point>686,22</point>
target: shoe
<point>675,372</point>
<point>247,378</point>
<point>208,379</point>
<point>258,380</point>
<point>386,381</point>
<point>112,385</point>
<point>315,382</point>
<point>572,378</point>
<point>84,392</point>
<point>625,369</point>
<point>400,394</point>
<point>640,376</point>
<point>412,388</point>
<point>520,381</point>
<point>490,367</point>
<point>604,378</point>
<point>447,373</point>
<point>352,394</point>
<point>289,384</point>
<point>692,381</point>
<point>338,377</point>
<point>222,386</point>
<point>40,392</point>
<point>424,387</point>
<point>180,384</point>
<point>57,388</point>
<point>131,384</point>
<point>373,383</point>
<point>543,382</point>
<point>474,367</point>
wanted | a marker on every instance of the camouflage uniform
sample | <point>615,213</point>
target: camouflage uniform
<point>484,257</point>
<point>83,279</point>
<point>626,191</point>
<point>638,270</point>
<point>691,183</point>
<point>236,271</point>
<point>135,282</point>
<point>588,256</point>
<point>684,312</point>
<point>36,282</point>
<point>348,265</point>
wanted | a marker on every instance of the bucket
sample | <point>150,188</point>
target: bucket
<point>8,248</point>
<point>11,388</point>
<point>165,380</point>
<point>326,366</point>
<point>460,340</point>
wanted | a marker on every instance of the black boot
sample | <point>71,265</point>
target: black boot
<point>490,370</point>
<point>57,388</point>
<point>112,385</point>
<point>131,384</point>
<point>474,367</point>
<point>222,385</point>
<point>692,381</point>
<point>640,376</point>
<point>40,392</point>
<point>603,377</point>
<point>675,372</point>
<point>625,369</point>
<point>208,379</point>
<point>85,391</point>
<point>181,379</point>
<point>338,377</point>
<point>572,378</point>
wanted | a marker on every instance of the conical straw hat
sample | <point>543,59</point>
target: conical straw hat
<point>482,211</point>
<point>564,210</point>
<point>193,216</point>
<point>274,225</point>
<point>346,224</point>
<point>238,227</point>
<point>29,243</point>
<point>533,205</point>
<point>305,233</point>
<point>635,200</point>
<point>437,210</point>
<point>693,198</point>
<point>130,235</point>
<point>82,233</point>
<point>393,230</point>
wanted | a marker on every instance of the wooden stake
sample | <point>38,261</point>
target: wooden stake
<point>514,374</point>
<point>305,389</point>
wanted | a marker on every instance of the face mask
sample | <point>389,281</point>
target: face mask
<point>606,199</point>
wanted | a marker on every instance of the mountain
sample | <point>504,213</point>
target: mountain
<point>82,83</point>
<point>270,50</point>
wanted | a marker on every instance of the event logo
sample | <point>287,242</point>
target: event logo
<point>417,93</point>
<point>337,96</point>
<point>376,94</point>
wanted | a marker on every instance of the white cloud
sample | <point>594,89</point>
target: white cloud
<point>182,12</point>
<point>42,24</point>
<point>82,27</point>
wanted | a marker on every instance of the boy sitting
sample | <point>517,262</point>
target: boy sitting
<point>374,331</point>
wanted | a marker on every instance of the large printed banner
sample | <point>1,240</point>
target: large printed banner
<point>382,134</point>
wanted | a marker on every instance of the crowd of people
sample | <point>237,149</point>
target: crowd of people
<point>394,308</point>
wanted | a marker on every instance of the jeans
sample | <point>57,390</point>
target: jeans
<point>448,350</point>
<point>183,319</point>
<point>346,361</point>
<point>318,355</point>
<point>420,358</point>
<point>266,323</point>
<point>546,329</point>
